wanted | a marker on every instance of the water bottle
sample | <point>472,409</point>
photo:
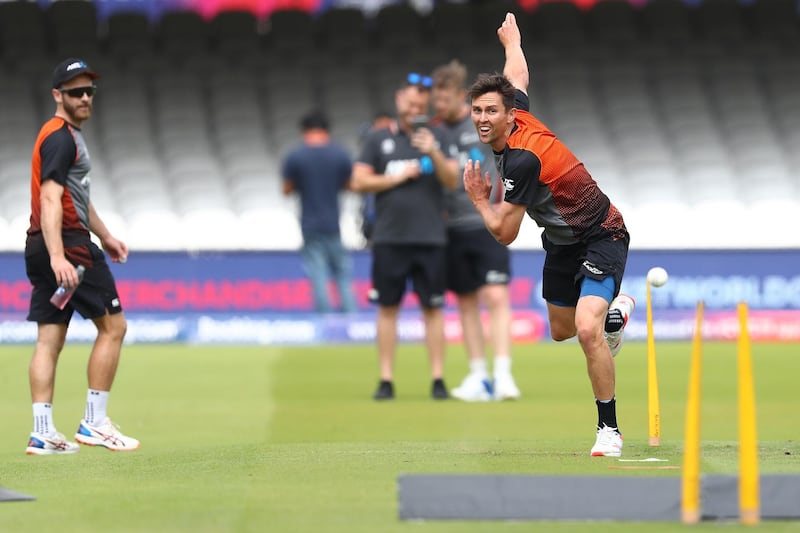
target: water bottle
<point>62,294</point>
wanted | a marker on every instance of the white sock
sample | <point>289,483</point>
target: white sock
<point>96,404</point>
<point>502,365</point>
<point>478,367</point>
<point>43,418</point>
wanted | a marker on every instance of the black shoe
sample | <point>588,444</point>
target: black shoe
<point>385,391</point>
<point>438,390</point>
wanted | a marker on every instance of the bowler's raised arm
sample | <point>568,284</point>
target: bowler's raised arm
<point>516,67</point>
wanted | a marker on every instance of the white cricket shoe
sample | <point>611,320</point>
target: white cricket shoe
<point>55,444</point>
<point>474,388</point>
<point>608,443</point>
<point>505,388</point>
<point>107,434</point>
<point>621,308</point>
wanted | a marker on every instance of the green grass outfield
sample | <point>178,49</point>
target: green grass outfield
<point>288,439</point>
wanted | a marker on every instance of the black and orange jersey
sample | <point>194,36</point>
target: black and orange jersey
<point>541,173</point>
<point>60,154</point>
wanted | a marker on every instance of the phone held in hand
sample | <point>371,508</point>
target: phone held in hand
<point>419,121</point>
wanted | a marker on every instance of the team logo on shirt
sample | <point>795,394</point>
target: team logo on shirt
<point>395,167</point>
<point>468,137</point>
<point>508,183</point>
<point>388,146</point>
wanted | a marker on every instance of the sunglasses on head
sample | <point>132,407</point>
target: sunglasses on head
<point>419,80</point>
<point>78,92</point>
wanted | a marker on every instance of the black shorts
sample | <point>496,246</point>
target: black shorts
<point>394,264</point>
<point>475,259</point>
<point>95,295</point>
<point>565,266</point>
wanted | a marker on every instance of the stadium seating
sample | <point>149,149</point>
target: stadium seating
<point>687,116</point>
<point>72,24</point>
<point>127,36</point>
<point>23,31</point>
<point>234,34</point>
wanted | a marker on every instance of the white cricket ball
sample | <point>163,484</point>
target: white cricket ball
<point>657,276</point>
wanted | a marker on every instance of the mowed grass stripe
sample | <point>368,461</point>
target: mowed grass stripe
<point>288,439</point>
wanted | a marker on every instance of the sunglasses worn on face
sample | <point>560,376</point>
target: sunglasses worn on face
<point>419,80</point>
<point>78,92</point>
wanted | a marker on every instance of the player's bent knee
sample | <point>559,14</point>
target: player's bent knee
<point>560,333</point>
<point>589,334</point>
<point>113,325</point>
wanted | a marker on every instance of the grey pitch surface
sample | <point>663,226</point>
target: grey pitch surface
<point>528,497</point>
<point>11,496</point>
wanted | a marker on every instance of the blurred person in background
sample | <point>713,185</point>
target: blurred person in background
<point>585,237</point>
<point>381,119</point>
<point>408,165</point>
<point>58,241</point>
<point>317,170</point>
<point>478,267</point>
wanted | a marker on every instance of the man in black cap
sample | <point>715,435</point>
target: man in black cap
<point>62,218</point>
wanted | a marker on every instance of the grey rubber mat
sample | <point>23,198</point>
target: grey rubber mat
<point>528,497</point>
<point>11,496</point>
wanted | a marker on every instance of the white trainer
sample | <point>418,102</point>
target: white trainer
<point>474,388</point>
<point>107,434</point>
<point>608,443</point>
<point>505,388</point>
<point>54,444</point>
<point>625,305</point>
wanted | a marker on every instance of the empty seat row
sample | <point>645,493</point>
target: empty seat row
<point>73,25</point>
<point>195,146</point>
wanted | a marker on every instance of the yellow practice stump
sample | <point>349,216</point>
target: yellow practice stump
<point>653,405</point>
<point>749,480</point>
<point>749,507</point>
<point>690,478</point>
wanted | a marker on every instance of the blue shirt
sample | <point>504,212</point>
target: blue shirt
<point>318,173</point>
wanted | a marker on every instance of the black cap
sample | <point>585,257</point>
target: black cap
<point>68,69</point>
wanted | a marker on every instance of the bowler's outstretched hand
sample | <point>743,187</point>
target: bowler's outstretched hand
<point>478,187</point>
<point>508,32</point>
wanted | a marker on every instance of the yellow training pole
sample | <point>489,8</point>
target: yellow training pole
<point>690,476</point>
<point>749,501</point>
<point>653,408</point>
